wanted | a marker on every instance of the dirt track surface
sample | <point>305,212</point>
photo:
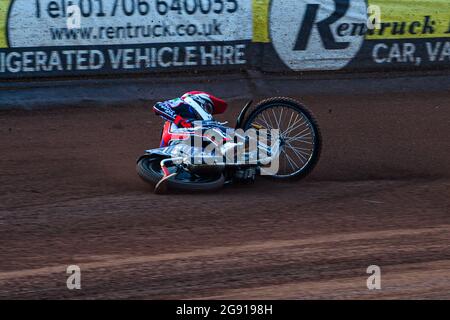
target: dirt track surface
<point>69,194</point>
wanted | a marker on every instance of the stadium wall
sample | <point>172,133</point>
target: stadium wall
<point>61,38</point>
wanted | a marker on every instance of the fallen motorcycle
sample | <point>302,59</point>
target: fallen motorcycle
<point>278,138</point>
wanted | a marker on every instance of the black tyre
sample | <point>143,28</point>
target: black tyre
<point>299,131</point>
<point>149,169</point>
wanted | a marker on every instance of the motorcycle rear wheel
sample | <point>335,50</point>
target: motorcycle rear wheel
<point>149,169</point>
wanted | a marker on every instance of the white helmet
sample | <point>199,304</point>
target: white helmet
<point>204,101</point>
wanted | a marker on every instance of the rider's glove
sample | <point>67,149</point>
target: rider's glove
<point>181,122</point>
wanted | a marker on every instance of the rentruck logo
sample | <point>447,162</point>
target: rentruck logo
<point>323,26</point>
<point>317,35</point>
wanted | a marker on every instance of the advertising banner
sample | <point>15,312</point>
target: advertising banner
<point>353,34</point>
<point>411,33</point>
<point>88,37</point>
<point>122,35</point>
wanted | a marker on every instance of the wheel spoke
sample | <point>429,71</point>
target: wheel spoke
<point>289,124</point>
<point>300,135</point>
<point>291,163</point>
<point>299,148</point>
<point>294,127</point>
<point>270,118</point>
<point>267,123</point>
<point>299,155</point>
<point>275,118</point>
<point>300,139</point>
<point>281,119</point>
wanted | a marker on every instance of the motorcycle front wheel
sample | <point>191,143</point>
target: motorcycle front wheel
<point>300,136</point>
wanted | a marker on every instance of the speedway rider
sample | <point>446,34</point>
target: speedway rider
<point>192,106</point>
<point>180,113</point>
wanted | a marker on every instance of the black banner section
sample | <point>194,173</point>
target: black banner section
<point>65,61</point>
<point>258,309</point>
<point>386,54</point>
<point>403,54</point>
